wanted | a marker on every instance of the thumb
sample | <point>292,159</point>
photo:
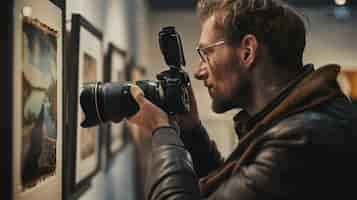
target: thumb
<point>137,94</point>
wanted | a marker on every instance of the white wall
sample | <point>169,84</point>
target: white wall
<point>109,16</point>
<point>143,35</point>
<point>330,40</point>
<point>116,28</point>
<point>92,10</point>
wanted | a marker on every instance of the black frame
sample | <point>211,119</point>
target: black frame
<point>113,49</point>
<point>72,189</point>
<point>6,78</point>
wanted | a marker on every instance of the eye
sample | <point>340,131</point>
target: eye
<point>206,51</point>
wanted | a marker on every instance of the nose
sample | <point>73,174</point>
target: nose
<point>201,72</point>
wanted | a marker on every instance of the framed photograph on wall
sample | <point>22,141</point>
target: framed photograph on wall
<point>115,72</point>
<point>37,123</point>
<point>86,66</point>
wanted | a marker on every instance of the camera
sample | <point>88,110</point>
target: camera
<point>104,102</point>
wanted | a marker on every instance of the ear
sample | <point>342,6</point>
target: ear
<point>248,50</point>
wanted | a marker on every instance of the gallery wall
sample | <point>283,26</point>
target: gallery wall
<point>331,39</point>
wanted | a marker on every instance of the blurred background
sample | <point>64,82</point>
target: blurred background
<point>133,25</point>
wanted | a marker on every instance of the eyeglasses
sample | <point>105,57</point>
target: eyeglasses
<point>202,51</point>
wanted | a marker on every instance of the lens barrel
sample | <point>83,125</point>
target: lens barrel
<point>113,101</point>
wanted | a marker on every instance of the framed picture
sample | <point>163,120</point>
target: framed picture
<point>115,72</point>
<point>86,66</point>
<point>37,99</point>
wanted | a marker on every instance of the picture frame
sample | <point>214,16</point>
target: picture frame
<point>6,77</point>
<point>83,144</point>
<point>115,71</point>
<point>37,57</point>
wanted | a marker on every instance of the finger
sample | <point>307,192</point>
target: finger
<point>137,94</point>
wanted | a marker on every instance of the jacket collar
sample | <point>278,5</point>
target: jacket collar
<point>308,79</point>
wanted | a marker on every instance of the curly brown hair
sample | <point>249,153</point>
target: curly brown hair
<point>274,23</point>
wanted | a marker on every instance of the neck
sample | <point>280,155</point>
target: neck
<point>266,86</point>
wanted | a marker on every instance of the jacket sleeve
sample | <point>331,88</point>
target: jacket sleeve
<point>203,151</point>
<point>172,175</point>
<point>266,174</point>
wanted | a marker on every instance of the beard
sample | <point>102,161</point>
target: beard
<point>237,98</point>
<point>221,104</point>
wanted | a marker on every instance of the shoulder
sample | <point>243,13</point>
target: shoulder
<point>334,120</point>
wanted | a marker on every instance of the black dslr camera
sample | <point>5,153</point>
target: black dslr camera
<point>113,101</point>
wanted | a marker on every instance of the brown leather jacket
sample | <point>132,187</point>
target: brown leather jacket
<point>301,146</point>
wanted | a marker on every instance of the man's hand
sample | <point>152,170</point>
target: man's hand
<point>149,117</point>
<point>191,119</point>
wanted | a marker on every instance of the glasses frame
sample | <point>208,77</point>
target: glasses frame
<point>204,54</point>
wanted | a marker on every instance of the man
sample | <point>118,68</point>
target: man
<point>296,131</point>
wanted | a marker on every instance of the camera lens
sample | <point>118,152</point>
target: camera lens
<point>113,101</point>
<point>106,102</point>
<point>117,102</point>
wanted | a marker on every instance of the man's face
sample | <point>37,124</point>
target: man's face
<point>222,73</point>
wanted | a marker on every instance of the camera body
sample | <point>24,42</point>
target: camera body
<point>113,101</point>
